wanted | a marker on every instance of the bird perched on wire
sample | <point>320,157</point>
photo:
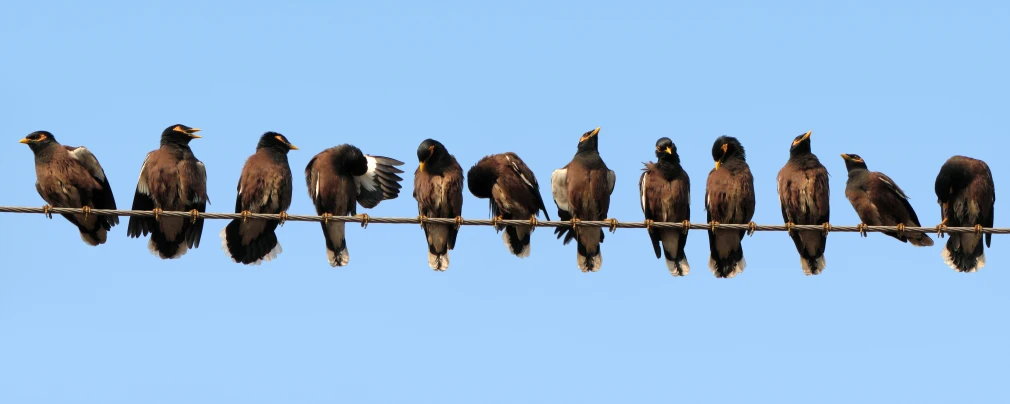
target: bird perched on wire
<point>879,201</point>
<point>339,179</point>
<point>665,192</point>
<point>438,189</point>
<point>581,190</point>
<point>512,192</point>
<point>967,197</point>
<point>71,177</point>
<point>804,197</point>
<point>263,187</point>
<point>729,198</point>
<point>171,179</point>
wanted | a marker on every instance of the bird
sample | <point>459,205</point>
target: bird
<point>729,198</point>
<point>263,187</point>
<point>967,196</point>
<point>665,191</point>
<point>879,201</point>
<point>438,189</point>
<point>71,177</point>
<point>342,177</point>
<point>804,197</point>
<point>581,190</point>
<point>171,179</point>
<point>512,192</point>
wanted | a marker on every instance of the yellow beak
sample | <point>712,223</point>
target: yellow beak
<point>25,140</point>
<point>192,133</point>
<point>805,137</point>
<point>717,164</point>
<point>292,147</point>
<point>669,150</point>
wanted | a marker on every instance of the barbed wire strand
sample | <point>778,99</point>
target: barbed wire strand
<point>611,224</point>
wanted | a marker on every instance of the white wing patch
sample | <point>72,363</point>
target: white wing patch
<point>641,189</point>
<point>611,180</point>
<point>202,171</point>
<point>559,188</point>
<point>88,160</point>
<point>367,180</point>
<point>315,196</point>
<point>141,181</point>
<point>515,168</point>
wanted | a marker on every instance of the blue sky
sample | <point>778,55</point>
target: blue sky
<point>904,84</point>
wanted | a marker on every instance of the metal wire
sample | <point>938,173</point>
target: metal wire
<point>611,224</point>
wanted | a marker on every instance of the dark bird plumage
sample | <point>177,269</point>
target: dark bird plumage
<point>171,179</point>
<point>513,193</point>
<point>71,177</point>
<point>729,198</point>
<point>879,201</point>
<point>339,179</point>
<point>438,189</point>
<point>665,191</point>
<point>263,187</point>
<point>804,197</point>
<point>967,197</point>
<point>581,190</point>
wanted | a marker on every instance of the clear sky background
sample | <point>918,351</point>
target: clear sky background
<point>905,84</point>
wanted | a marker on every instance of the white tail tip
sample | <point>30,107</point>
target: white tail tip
<point>438,262</point>
<point>678,268</point>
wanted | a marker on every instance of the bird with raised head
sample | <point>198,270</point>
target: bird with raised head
<point>665,192</point>
<point>805,199</point>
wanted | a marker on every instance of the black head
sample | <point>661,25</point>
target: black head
<point>38,140</point>
<point>430,153</point>
<point>952,177</point>
<point>727,147</point>
<point>853,162</point>
<point>801,145</point>
<point>666,150</point>
<point>275,141</point>
<point>589,142</point>
<point>179,134</point>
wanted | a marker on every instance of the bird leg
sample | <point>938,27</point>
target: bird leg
<point>826,228</point>
<point>901,229</point>
<point>648,224</point>
<point>157,213</point>
<point>862,229</point>
<point>459,222</point>
<point>496,222</point>
<point>978,230</point>
<point>686,226</point>
<point>48,211</point>
<point>326,217</point>
<point>790,226</point>
<point>713,225</point>
<point>284,217</point>
<point>87,211</point>
<point>613,224</point>
<point>422,219</point>
<point>533,222</point>
<point>941,228</point>
<point>194,214</point>
<point>245,215</point>
<point>364,220</point>
<point>575,223</point>
<point>751,228</point>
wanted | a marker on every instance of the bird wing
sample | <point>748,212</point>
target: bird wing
<point>104,198</point>
<point>644,194</point>
<point>988,214</point>
<point>528,178</point>
<point>142,200</point>
<point>611,180</point>
<point>380,182</point>
<point>890,199</point>
<point>454,193</point>
<point>559,189</point>
<point>199,202</point>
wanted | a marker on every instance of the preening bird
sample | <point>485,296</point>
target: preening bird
<point>438,189</point>
<point>967,197</point>
<point>729,198</point>
<point>171,179</point>
<point>665,191</point>
<point>339,179</point>
<point>581,190</point>
<point>879,201</point>
<point>804,197</point>
<point>513,193</point>
<point>70,177</point>
<point>263,187</point>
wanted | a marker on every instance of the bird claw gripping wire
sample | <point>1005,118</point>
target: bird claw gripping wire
<point>459,222</point>
<point>901,229</point>
<point>422,220</point>
<point>613,224</point>
<point>826,228</point>
<point>862,229</point>
<point>978,230</point>
<point>941,228</point>
<point>686,226</point>
<point>157,213</point>
<point>195,214</point>
<point>751,228</point>
<point>283,218</point>
<point>327,217</point>
<point>648,225</point>
<point>364,220</point>
<point>47,210</point>
<point>713,225</point>
<point>87,211</point>
<point>575,223</point>
<point>496,223</point>
<point>533,223</point>
<point>245,215</point>
<point>790,227</point>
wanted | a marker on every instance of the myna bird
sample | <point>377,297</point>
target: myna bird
<point>263,187</point>
<point>879,202</point>
<point>729,198</point>
<point>804,197</point>
<point>340,178</point>
<point>171,179</point>
<point>438,189</point>
<point>665,191</point>
<point>582,191</point>
<point>967,195</point>
<point>70,177</point>
<point>513,193</point>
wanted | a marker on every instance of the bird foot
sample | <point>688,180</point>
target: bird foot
<point>790,227</point>
<point>751,228</point>
<point>47,210</point>
<point>713,225</point>
<point>686,226</point>
<point>496,222</point>
<point>459,222</point>
<point>422,219</point>
<point>862,229</point>
<point>941,228</point>
<point>326,217</point>
<point>157,213</point>
<point>575,223</point>
<point>648,224</point>
<point>613,224</point>
<point>978,230</point>
<point>826,228</point>
<point>245,215</point>
<point>364,220</point>
<point>87,211</point>
<point>194,214</point>
<point>533,222</point>
<point>901,229</point>
<point>283,217</point>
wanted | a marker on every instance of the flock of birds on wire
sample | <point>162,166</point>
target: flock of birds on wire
<point>342,177</point>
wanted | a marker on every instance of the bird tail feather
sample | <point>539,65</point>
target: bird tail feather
<point>730,262</point>
<point>336,244</point>
<point>264,247</point>
<point>677,264</point>
<point>517,239</point>
<point>956,255</point>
